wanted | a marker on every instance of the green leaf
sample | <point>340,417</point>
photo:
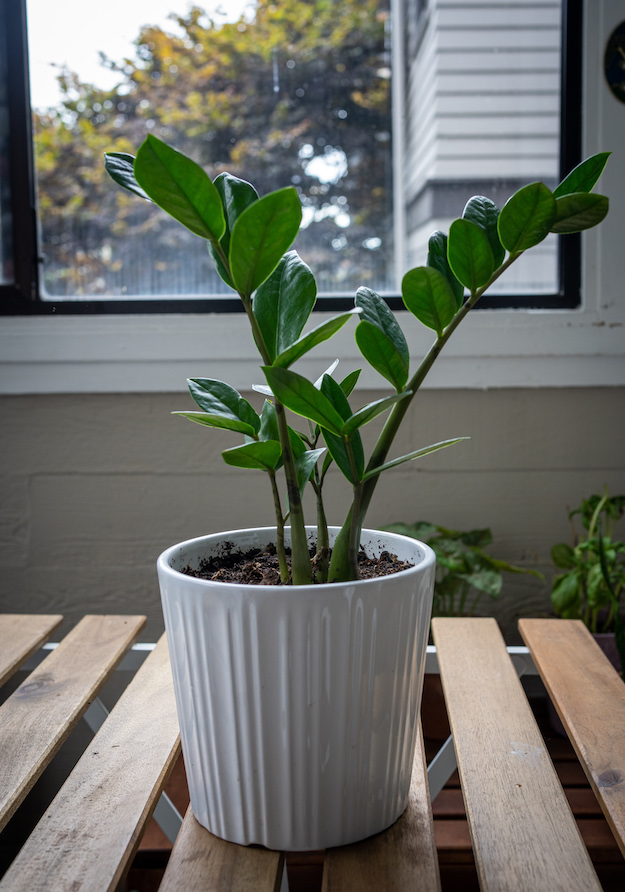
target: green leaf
<point>485,214</point>
<point>179,186</point>
<point>472,538</point>
<point>470,254</point>
<point>260,456</point>
<point>218,421</point>
<point>579,211</point>
<point>221,400</point>
<point>418,453</point>
<point>484,580</point>
<point>337,446</point>
<point>300,396</point>
<point>437,258</point>
<point>420,530</point>
<point>428,295</point>
<point>268,422</point>
<point>315,336</point>
<point>526,218</point>
<point>583,177</point>
<point>380,339</point>
<point>371,411</point>
<point>349,381</point>
<point>563,556</point>
<point>283,303</point>
<point>261,235</point>
<point>236,195</point>
<point>120,167</point>
<point>565,595</point>
<point>305,464</point>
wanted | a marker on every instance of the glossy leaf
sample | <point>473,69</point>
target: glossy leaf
<point>371,411</point>
<point>380,339</point>
<point>305,464</point>
<point>418,453</point>
<point>437,259</point>
<point>300,396</point>
<point>120,167</point>
<point>329,371</point>
<point>260,456</point>
<point>485,213</point>
<point>349,381</point>
<point>283,303</point>
<point>583,177</point>
<point>179,186</point>
<point>565,595</point>
<point>579,211</point>
<point>470,254</point>
<point>268,422</point>
<point>218,421</point>
<point>220,399</point>
<point>315,336</point>
<point>337,447</point>
<point>261,235</point>
<point>526,218</point>
<point>236,195</point>
<point>428,295</point>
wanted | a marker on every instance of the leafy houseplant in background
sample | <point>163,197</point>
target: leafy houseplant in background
<point>464,571</point>
<point>295,731</point>
<point>591,587</point>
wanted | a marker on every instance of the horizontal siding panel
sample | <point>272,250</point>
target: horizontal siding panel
<point>518,84</point>
<point>512,41</point>
<point>529,168</point>
<point>498,147</point>
<point>521,126</point>
<point>498,15</point>
<point>499,63</point>
<point>501,105</point>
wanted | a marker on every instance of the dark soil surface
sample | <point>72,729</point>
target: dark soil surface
<point>256,567</point>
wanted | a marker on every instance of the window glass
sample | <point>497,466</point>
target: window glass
<point>291,91</point>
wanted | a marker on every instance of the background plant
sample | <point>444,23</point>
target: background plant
<point>249,237</point>
<point>464,571</point>
<point>591,587</point>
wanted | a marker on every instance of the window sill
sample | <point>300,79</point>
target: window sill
<point>109,354</point>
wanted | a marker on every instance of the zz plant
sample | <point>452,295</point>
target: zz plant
<point>249,239</point>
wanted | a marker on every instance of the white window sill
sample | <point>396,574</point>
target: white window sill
<point>158,353</point>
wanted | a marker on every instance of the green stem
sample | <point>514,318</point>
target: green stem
<point>355,527</point>
<point>280,551</point>
<point>301,567</point>
<point>322,558</point>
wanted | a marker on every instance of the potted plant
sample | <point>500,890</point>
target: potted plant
<point>592,585</point>
<point>464,571</point>
<point>299,701</point>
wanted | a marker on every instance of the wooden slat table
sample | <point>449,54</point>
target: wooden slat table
<point>522,830</point>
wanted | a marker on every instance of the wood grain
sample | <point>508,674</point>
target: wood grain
<point>523,833</point>
<point>201,862</point>
<point>91,830</point>
<point>38,716</point>
<point>590,699</point>
<point>402,857</point>
<point>22,634</point>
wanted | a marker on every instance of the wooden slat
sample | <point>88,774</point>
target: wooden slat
<point>89,833</point>
<point>590,699</point>
<point>200,862</point>
<point>522,829</point>
<point>21,634</point>
<point>38,716</point>
<point>402,857</point>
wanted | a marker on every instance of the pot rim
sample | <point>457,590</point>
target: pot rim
<point>164,565</point>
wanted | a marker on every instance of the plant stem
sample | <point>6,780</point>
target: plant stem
<point>280,552</point>
<point>322,558</point>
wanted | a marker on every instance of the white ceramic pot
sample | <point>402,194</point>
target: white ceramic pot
<point>298,706</point>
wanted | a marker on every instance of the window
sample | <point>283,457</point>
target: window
<point>311,92</point>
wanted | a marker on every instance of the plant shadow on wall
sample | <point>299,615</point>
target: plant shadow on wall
<point>248,238</point>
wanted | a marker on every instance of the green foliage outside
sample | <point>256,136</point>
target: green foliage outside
<point>250,238</point>
<point>304,81</point>
<point>464,571</point>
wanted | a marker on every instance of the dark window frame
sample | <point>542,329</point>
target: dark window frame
<point>22,298</point>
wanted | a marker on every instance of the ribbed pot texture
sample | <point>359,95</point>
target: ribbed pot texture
<point>298,706</point>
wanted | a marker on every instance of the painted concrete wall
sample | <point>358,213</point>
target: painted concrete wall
<point>93,487</point>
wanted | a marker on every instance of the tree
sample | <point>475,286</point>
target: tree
<point>300,94</point>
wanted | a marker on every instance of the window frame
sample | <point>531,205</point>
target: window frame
<point>23,296</point>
